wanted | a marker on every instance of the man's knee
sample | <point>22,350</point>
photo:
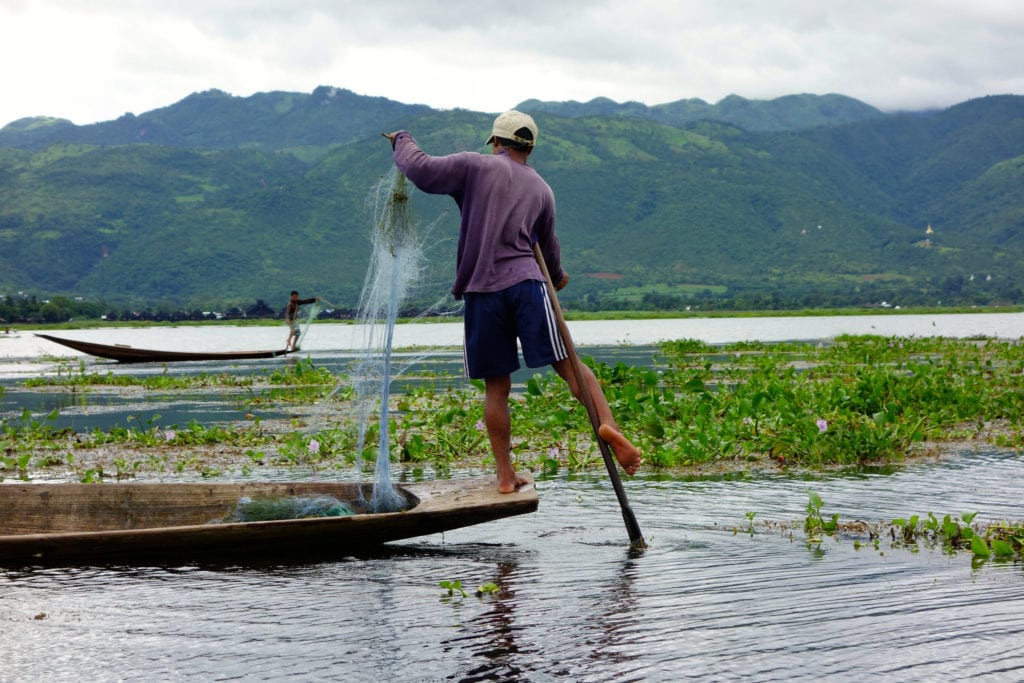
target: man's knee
<point>498,385</point>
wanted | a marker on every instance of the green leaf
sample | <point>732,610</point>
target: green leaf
<point>1002,548</point>
<point>979,547</point>
<point>654,427</point>
<point>695,386</point>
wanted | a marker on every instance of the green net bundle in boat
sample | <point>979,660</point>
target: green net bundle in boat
<point>288,507</point>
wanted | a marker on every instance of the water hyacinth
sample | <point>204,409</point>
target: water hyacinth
<point>696,404</point>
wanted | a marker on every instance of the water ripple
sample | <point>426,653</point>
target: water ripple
<point>707,599</point>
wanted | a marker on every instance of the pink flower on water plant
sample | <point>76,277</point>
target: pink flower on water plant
<point>480,425</point>
<point>553,452</point>
<point>169,434</point>
<point>822,425</point>
<point>314,446</point>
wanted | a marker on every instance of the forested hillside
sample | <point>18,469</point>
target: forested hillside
<point>218,201</point>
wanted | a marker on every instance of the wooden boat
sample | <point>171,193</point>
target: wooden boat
<point>129,354</point>
<point>61,523</point>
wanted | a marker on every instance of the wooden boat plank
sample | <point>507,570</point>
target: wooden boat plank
<point>65,522</point>
<point>128,354</point>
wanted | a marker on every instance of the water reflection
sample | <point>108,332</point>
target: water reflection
<point>491,636</point>
<point>617,617</point>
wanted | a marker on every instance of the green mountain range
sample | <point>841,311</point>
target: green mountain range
<point>801,201</point>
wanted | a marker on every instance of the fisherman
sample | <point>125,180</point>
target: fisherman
<point>505,208</point>
<point>291,318</point>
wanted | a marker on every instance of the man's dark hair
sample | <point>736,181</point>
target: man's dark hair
<point>524,133</point>
<point>294,293</point>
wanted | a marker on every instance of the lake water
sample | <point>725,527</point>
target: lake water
<point>323,338</point>
<point>707,600</point>
<point>576,604</point>
<point>22,353</point>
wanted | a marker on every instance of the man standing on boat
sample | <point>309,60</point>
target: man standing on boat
<point>291,318</point>
<point>505,208</point>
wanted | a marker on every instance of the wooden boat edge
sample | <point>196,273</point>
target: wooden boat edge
<point>443,505</point>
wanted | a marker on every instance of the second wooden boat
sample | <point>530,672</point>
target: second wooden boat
<point>128,354</point>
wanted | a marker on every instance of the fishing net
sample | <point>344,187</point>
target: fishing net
<point>396,263</point>
<point>288,507</point>
<point>312,313</point>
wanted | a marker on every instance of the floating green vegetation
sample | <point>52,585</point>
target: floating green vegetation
<point>453,587</point>
<point>1001,540</point>
<point>855,401</point>
<point>21,441</point>
<point>301,382</point>
<point>815,524</point>
<point>68,376</point>
<point>440,427</point>
<point>851,403</point>
<point>192,434</point>
<point>303,372</point>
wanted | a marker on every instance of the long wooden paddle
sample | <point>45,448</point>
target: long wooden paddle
<point>636,539</point>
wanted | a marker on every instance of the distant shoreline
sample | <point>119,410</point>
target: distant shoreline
<point>91,323</point>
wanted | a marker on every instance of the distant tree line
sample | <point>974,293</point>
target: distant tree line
<point>59,309</point>
<point>950,291</point>
<point>30,309</point>
<point>788,296</point>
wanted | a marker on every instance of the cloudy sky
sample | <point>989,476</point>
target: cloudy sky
<point>94,60</point>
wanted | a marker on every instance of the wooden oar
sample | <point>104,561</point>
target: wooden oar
<point>636,539</point>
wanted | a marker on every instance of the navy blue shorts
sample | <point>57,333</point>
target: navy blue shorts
<point>494,321</point>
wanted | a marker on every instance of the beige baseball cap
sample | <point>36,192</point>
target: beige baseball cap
<point>511,122</point>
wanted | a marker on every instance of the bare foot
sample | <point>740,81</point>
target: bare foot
<point>513,486</point>
<point>625,452</point>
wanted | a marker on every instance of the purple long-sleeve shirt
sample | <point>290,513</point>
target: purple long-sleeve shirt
<point>505,205</point>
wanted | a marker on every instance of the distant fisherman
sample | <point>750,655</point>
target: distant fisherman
<point>291,318</point>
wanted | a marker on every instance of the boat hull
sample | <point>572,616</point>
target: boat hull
<point>130,354</point>
<point>61,523</point>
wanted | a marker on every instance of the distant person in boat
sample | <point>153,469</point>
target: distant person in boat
<point>291,318</point>
<point>506,207</point>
